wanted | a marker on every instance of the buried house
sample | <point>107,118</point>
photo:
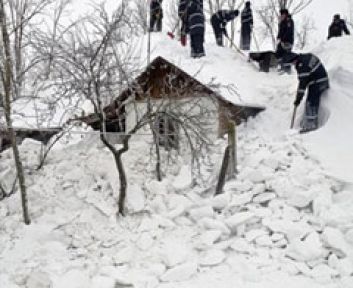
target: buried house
<point>177,98</point>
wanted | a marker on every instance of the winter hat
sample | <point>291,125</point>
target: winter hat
<point>284,12</point>
<point>290,57</point>
<point>337,17</point>
<point>247,4</point>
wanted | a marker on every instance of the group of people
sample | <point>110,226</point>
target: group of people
<point>312,75</point>
<point>192,22</point>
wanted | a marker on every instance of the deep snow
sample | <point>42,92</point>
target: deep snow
<point>283,221</point>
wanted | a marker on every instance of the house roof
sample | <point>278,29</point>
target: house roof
<point>149,76</point>
<point>163,64</point>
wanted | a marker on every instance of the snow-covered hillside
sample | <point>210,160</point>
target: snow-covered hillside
<point>284,221</point>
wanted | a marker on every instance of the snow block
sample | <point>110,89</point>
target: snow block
<point>220,201</point>
<point>38,280</point>
<point>212,257</point>
<point>291,229</point>
<point>334,238</point>
<point>197,213</point>
<point>180,273</point>
<point>102,282</point>
<point>174,253</point>
<point>183,180</point>
<point>240,200</point>
<point>308,249</point>
<point>212,224</point>
<point>264,197</point>
<point>239,218</point>
<point>135,199</point>
<point>157,187</point>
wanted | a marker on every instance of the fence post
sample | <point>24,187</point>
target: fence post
<point>232,143</point>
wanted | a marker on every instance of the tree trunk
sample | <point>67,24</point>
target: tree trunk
<point>117,154</point>
<point>7,84</point>
<point>123,182</point>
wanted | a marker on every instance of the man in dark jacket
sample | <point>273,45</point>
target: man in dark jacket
<point>285,38</point>
<point>156,15</point>
<point>219,21</point>
<point>337,27</point>
<point>196,27</point>
<point>313,77</point>
<point>183,4</point>
<point>246,26</point>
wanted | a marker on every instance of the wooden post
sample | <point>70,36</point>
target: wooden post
<point>229,164</point>
<point>223,174</point>
<point>232,143</point>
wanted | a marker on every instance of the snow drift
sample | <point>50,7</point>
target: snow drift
<point>333,143</point>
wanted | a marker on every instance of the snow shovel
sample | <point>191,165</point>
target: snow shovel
<point>241,52</point>
<point>293,117</point>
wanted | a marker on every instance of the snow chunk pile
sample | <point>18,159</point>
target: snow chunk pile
<point>281,216</point>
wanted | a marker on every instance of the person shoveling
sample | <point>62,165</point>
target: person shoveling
<point>313,77</point>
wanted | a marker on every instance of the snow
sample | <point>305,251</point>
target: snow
<point>332,144</point>
<point>286,220</point>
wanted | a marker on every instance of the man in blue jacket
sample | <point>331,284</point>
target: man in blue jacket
<point>156,15</point>
<point>247,23</point>
<point>313,77</point>
<point>285,38</point>
<point>337,27</point>
<point>219,21</point>
<point>196,27</point>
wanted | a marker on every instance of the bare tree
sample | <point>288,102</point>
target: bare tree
<point>21,68</point>
<point>303,33</point>
<point>7,94</point>
<point>140,11</point>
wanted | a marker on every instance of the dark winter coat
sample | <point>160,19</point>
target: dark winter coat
<point>337,28</point>
<point>220,19</point>
<point>156,8</point>
<point>182,8</point>
<point>310,72</point>
<point>247,18</point>
<point>286,31</point>
<point>195,17</point>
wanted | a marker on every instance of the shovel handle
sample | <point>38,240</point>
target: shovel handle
<point>293,117</point>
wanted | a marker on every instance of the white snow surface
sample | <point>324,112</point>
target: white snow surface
<point>333,143</point>
<point>286,219</point>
